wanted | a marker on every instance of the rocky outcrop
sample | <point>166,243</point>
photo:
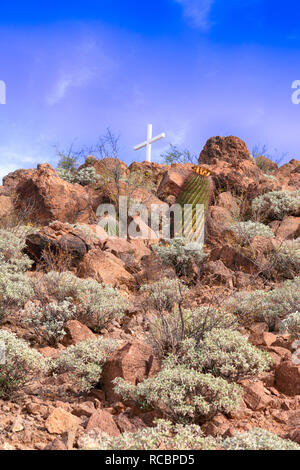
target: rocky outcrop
<point>51,198</point>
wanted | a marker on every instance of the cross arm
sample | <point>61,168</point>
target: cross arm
<point>140,146</point>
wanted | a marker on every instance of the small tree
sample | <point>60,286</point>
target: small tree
<point>175,155</point>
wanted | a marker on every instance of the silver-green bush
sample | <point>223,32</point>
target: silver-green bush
<point>183,394</point>
<point>48,320</point>
<point>285,261</point>
<point>268,306</point>
<point>85,176</point>
<point>223,353</point>
<point>245,231</point>
<point>275,205</point>
<point>258,439</point>
<point>21,364</point>
<point>96,303</point>
<point>164,436</point>
<point>84,362</point>
<point>291,325</point>
<point>180,255</point>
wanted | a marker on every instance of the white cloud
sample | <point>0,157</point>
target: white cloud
<point>69,80</point>
<point>197,12</point>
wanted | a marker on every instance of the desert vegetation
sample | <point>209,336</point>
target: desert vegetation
<point>160,343</point>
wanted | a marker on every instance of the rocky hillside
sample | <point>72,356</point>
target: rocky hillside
<point>130,343</point>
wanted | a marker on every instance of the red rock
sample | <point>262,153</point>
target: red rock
<point>126,424</point>
<point>134,362</point>
<point>6,206</point>
<point>76,332</point>
<point>61,421</point>
<point>49,352</point>
<point>287,378</point>
<point>52,198</point>
<point>103,420</point>
<point>263,339</point>
<point>227,201</point>
<point>255,396</point>
<point>105,267</point>
<point>84,409</point>
<point>173,181</point>
<point>233,259</point>
<point>228,149</point>
<point>288,229</point>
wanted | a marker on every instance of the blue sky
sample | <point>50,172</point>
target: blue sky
<point>193,68</point>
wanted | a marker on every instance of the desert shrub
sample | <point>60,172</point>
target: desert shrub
<point>11,246</point>
<point>291,325</point>
<point>164,294</point>
<point>66,174</point>
<point>85,176</point>
<point>48,320</point>
<point>182,394</point>
<point>275,205</point>
<point>96,303</point>
<point>168,330</point>
<point>181,255</point>
<point>84,362</point>
<point>86,230</point>
<point>285,261</point>
<point>21,364</point>
<point>164,436</point>
<point>266,165</point>
<point>223,353</point>
<point>245,231</point>
<point>15,290</point>
<point>258,439</point>
<point>267,306</point>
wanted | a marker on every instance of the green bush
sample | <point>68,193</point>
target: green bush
<point>245,231</point>
<point>168,330</point>
<point>275,205</point>
<point>21,364</point>
<point>164,294</point>
<point>96,303</point>
<point>183,394</point>
<point>164,436</point>
<point>85,176</point>
<point>285,262</point>
<point>84,362</point>
<point>291,325</point>
<point>267,306</point>
<point>258,439</point>
<point>180,255</point>
<point>48,321</point>
<point>15,290</point>
<point>223,353</point>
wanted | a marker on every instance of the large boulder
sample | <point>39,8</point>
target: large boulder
<point>287,378</point>
<point>60,240</point>
<point>52,198</point>
<point>233,168</point>
<point>228,149</point>
<point>288,229</point>
<point>134,362</point>
<point>173,182</point>
<point>104,267</point>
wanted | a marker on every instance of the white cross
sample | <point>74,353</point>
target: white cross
<point>150,140</point>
